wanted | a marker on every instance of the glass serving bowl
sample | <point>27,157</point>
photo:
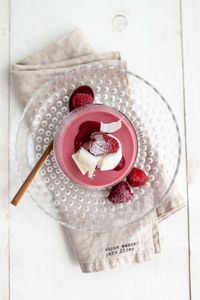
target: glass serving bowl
<point>159,147</point>
<point>66,134</point>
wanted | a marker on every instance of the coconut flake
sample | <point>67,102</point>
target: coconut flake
<point>85,161</point>
<point>81,166</point>
<point>110,127</point>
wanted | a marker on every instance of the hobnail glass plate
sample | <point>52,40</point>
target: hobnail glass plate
<point>158,147</point>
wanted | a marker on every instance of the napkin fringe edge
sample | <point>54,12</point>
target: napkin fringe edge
<point>115,263</point>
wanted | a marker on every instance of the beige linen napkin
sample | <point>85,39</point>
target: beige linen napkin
<point>95,251</point>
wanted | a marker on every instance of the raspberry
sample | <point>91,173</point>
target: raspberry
<point>84,89</point>
<point>81,99</point>
<point>137,177</point>
<point>121,192</point>
<point>120,165</point>
<point>102,144</point>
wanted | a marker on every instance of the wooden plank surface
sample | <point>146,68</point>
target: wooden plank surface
<point>191,55</point>
<point>42,263</point>
<point>4,150</point>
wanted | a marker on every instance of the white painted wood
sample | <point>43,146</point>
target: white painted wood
<point>4,142</point>
<point>191,42</point>
<point>42,263</point>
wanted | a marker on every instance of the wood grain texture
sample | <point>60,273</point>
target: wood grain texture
<point>42,263</point>
<point>4,148</point>
<point>191,55</point>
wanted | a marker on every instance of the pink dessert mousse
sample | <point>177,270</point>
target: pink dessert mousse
<point>81,133</point>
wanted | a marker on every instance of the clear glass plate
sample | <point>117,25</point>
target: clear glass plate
<point>158,153</point>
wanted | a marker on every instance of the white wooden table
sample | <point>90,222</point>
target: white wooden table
<point>161,42</point>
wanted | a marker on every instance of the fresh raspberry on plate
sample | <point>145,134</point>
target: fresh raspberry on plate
<point>137,177</point>
<point>81,99</point>
<point>121,192</point>
<point>84,89</point>
<point>102,144</point>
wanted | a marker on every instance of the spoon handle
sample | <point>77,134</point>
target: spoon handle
<point>31,175</point>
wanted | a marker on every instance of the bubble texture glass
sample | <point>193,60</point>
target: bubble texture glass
<point>158,147</point>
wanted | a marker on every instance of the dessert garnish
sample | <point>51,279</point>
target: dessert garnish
<point>121,192</point>
<point>83,90</point>
<point>102,151</point>
<point>85,161</point>
<point>81,99</point>
<point>137,177</point>
<point>102,144</point>
<point>110,127</point>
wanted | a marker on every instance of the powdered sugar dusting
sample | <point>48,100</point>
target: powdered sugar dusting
<point>103,144</point>
<point>99,146</point>
<point>120,193</point>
